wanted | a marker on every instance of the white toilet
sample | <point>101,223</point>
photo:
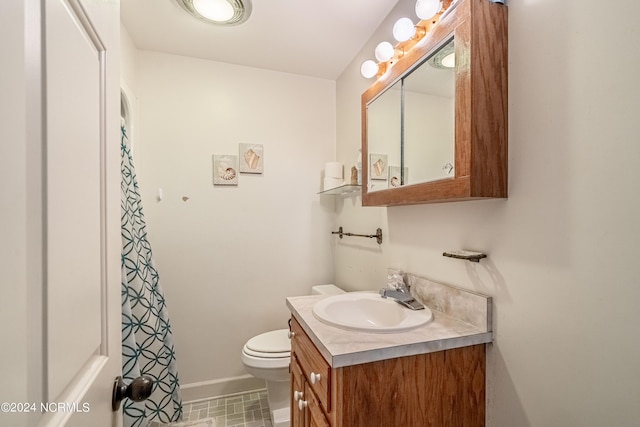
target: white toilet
<point>267,356</point>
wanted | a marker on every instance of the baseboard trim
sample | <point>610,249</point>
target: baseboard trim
<point>220,387</point>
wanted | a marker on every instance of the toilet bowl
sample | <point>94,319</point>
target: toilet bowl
<point>267,356</point>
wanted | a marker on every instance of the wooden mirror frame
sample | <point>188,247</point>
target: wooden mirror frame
<point>479,28</point>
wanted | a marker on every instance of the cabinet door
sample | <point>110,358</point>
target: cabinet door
<point>314,410</point>
<point>315,368</point>
<point>297,393</point>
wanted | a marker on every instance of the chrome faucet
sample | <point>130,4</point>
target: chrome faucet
<point>402,298</point>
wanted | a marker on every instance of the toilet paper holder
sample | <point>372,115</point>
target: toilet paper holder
<point>377,236</point>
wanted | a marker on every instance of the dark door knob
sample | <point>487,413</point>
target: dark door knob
<point>137,390</point>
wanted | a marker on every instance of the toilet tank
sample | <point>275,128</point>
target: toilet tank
<point>326,290</point>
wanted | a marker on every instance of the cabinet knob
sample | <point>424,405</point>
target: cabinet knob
<point>291,334</point>
<point>314,378</point>
<point>297,395</point>
<point>302,404</point>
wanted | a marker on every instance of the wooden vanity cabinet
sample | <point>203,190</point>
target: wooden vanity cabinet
<point>297,393</point>
<point>445,388</point>
<point>306,409</point>
<point>317,417</point>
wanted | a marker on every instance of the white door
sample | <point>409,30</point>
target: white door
<point>82,210</point>
<point>67,185</point>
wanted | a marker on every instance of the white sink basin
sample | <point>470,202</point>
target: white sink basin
<point>368,312</point>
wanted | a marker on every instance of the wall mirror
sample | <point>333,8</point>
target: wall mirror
<point>434,125</point>
<point>410,130</point>
<point>384,136</point>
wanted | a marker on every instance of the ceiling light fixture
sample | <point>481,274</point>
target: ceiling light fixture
<point>445,58</point>
<point>449,61</point>
<point>219,12</point>
<point>215,10</point>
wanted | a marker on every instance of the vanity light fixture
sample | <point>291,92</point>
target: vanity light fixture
<point>403,29</point>
<point>427,9</point>
<point>407,34</point>
<point>369,69</point>
<point>218,12</point>
<point>384,51</point>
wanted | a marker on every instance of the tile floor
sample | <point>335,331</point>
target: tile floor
<point>240,410</point>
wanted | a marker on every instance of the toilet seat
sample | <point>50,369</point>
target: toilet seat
<point>267,355</point>
<point>269,345</point>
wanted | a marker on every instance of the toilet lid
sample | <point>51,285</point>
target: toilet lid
<point>271,342</point>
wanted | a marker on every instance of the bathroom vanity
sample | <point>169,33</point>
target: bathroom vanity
<point>433,375</point>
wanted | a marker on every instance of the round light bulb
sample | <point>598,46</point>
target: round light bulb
<point>403,29</point>
<point>384,51</point>
<point>369,69</point>
<point>215,10</point>
<point>427,9</point>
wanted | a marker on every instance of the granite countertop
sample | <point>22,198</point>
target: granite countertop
<point>341,347</point>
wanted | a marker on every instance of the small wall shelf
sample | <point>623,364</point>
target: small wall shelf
<point>343,190</point>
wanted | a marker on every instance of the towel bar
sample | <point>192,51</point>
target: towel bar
<point>377,236</point>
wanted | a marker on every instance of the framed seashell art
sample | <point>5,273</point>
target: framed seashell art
<point>251,158</point>
<point>378,166</point>
<point>225,169</point>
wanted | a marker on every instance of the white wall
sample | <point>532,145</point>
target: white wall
<point>128,84</point>
<point>228,256</point>
<point>128,53</point>
<point>563,249</point>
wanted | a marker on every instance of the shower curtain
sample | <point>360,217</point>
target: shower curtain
<point>147,343</point>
